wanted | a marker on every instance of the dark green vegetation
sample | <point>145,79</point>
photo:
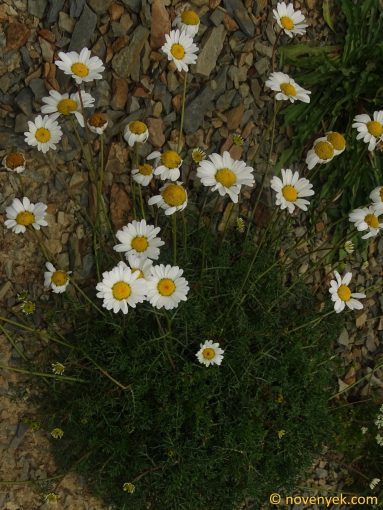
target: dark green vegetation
<point>346,79</point>
<point>191,437</point>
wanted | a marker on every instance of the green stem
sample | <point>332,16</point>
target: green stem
<point>315,321</point>
<point>174,232</point>
<point>42,374</point>
<point>87,298</point>
<point>182,113</point>
<point>13,343</point>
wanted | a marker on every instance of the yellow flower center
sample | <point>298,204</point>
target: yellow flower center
<point>42,135</point>
<point>14,159</point>
<point>67,106</point>
<point>372,220</point>
<point>137,269</point>
<point>337,140</point>
<point>190,18</point>
<point>344,292</point>
<point>97,120</point>
<point>174,195</point>
<point>140,243</point>
<point>290,193</point>
<point>59,278</point>
<point>171,159</point>
<point>25,218</point>
<point>166,287</point>
<point>288,89</point>
<point>226,177</point>
<point>178,51</point>
<point>137,127</point>
<point>145,169</point>
<point>287,22</point>
<point>324,150</point>
<point>375,128</point>
<point>208,353</point>
<point>198,155</point>
<point>121,290</point>
<point>80,69</point>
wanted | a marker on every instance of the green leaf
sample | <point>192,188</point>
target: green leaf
<point>327,14</point>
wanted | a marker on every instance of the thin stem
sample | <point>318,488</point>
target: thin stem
<point>182,113</point>
<point>13,343</point>
<point>87,298</point>
<point>174,233</point>
<point>46,253</point>
<point>275,49</point>
<point>43,374</point>
<point>315,321</point>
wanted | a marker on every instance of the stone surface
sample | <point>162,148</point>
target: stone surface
<point>119,93</point>
<point>160,24</point>
<point>17,35</point>
<point>84,30</point>
<point>234,116</point>
<point>37,7</point>
<point>133,5</point>
<point>207,58</point>
<point>100,6</point>
<point>156,132</point>
<point>55,6</point>
<point>76,7</point>
<point>239,11</point>
<point>125,63</point>
<point>24,101</point>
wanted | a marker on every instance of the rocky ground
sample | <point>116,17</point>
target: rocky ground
<point>225,96</point>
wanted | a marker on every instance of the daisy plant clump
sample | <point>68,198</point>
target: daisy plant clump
<point>194,339</point>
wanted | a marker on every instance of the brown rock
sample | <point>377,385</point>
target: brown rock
<point>236,152</point>
<point>116,11</point>
<point>234,116</point>
<point>156,132</point>
<point>120,206</point>
<point>160,24</point>
<point>230,23</point>
<point>120,94</point>
<point>17,35</point>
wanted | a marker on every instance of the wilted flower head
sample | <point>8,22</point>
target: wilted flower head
<point>57,433</point>
<point>136,131</point>
<point>238,139</point>
<point>14,162</point>
<point>349,247</point>
<point>97,123</point>
<point>51,497</point>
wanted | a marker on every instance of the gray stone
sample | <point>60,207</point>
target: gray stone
<point>263,49</point>
<point>237,9</point>
<point>226,100</point>
<point>24,101</point>
<point>262,65</point>
<point>37,7</point>
<point>55,6</point>
<point>38,88</point>
<point>126,62</point>
<point>207,58</point>
<point>195,110</point>
<point>100,6</point>
<point>76,7</point>
<point>102,93</point>
<point>21,123</point>
<point>27,61</point>
<point>118,29</point>
<point>66,23</point>
<point>133,5</point>
<point>5,82</point>
<point>84,30</point>
<point>217,17</point>
<point>161,93</point>
<point>18,437</point>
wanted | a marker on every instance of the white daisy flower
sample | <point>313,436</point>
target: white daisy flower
<point>97,123</point>
<point>291,190</point>
<point>143,174</point>
<point>376,196</point>
<point>14,162</point>
<point>210,353</point>
<point>167,287</point>
<point>121,288</point>
<point>57,104</point>
<point>136,131</point>
<point>81,66</point>
<point>289,20</point>
<point>139,239</point>
<point>180,48</point>
<point>143,266</point>
<point>188,22</point>
<point>337,140</point>
<point>322,152</point>
<point>366,218</point>
<point>56,279</point>
<point>44,133</point>
<point>22,214</point>
<point>287,88</point>
<point>369,130</point>
<point>167,164</point>
<point>341,293</point>
<point>225,175</point>
<point>172,198</point>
